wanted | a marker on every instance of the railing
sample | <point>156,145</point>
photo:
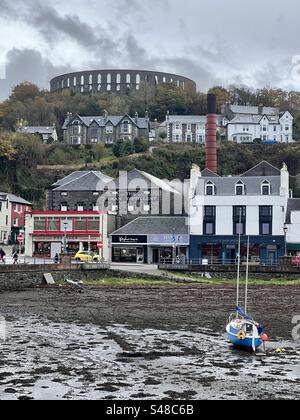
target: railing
<point>23,260</point>
<point>218,262</point>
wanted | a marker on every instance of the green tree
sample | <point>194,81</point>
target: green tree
<point>141,145</point>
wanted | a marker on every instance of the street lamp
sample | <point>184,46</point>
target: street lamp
<point>285,229</point>
<point>65,237</point>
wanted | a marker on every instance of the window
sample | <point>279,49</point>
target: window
<point>91,79</point>
<point>274,128</point>
<point>99,88</point>
<point>156,80</point>
<point>265,211</point>
<point>266,229</point>
<point>39,224</point>
<point>265,220</point>
<point>53,225</point>
<point>118,88</point>
<point>189,127</point>
<point>177,126</point>
<point>125,127</point>
<point>109,129</point>
<point>164,79</point>
<point>189,138</point>
<point>82,80</point>
<point>239,229</point>
<point>108,88</point>
<point>68,82</point>
<point>209,211</point>
<point>266,188</point>
<point>118,78</point>
<point>128,78</point>
<point>209,228</point>
<point>94,134</point>
<point>64,194</point>
<point>99,79</point>
<point>287,128</point>
<point>75,81</point>
<point>239,188</point>
<point>109,78</point>
<point>210,188</point>
<point>239,212</point>
<point>138,79</point>
<point>79,225</point>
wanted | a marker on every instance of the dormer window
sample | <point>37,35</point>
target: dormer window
<point>239,188</point>
<point>266,188</point>
<point>210,188</point>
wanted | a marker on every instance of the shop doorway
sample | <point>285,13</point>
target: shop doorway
<point>140,257</point>
<point>155,256</point>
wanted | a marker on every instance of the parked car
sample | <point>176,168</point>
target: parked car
<point>296,260</point>
<point>87,257</point>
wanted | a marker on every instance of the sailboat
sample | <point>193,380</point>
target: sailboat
<point>242,330</point>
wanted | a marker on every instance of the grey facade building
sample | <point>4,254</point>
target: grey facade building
<point>104,129</point>
<point>121,82</point>
<point>130,195</point>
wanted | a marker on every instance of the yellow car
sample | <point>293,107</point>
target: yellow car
<point>87,257</point>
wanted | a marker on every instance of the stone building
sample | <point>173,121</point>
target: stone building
<point>104,129</point>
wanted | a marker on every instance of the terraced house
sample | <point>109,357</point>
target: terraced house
<point>13,210</point>
<point>104,129</point>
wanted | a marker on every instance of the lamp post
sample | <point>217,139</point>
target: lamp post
<point>65,237</point>
<point>285,229</point>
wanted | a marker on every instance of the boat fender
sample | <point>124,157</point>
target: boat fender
<point>264,338</point>
<point>241,335</point>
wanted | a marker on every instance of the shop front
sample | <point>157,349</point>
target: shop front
<point>139,243</point>
<point>225,250</point>
<point>52,233</point>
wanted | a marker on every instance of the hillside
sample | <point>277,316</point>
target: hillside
<point>36,166</point>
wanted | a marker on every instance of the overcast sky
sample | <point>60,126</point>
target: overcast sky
<point>212,41</point>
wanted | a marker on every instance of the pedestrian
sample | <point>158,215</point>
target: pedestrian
<point>56,259</point>
<point>2,256</point>
<point>16,258</point>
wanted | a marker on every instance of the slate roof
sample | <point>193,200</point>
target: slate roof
<point>87,181</point>
<point>293,205</point>
<point>207,173</point>
<point>40,130</point>
<point>101,121</point>
<point>13,199</point>
<point>155,226</point>
<point>136,178</point>
<point>264,168</point>
<point>254,110</point>
<point>225,186</point>
<point>191,119</point>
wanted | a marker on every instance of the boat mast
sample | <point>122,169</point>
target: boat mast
<point>247,274</point>
<point>239,261</point>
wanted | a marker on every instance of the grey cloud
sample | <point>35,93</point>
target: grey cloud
<point>30,66</point>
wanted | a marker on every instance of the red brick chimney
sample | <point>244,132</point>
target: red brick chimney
<point>211,134</point>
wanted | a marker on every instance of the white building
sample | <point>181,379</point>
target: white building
<point>187,128</point>
<point>293,225</point>
<point>248,123</point>
<point>46,133</point>
<point>253,204</point>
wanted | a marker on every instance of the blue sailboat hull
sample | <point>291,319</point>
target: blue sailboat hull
<point>248,343</point>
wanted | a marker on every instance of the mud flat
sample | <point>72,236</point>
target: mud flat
<point>144,343</point>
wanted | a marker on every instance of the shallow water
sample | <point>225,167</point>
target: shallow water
<point>43,359</point>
